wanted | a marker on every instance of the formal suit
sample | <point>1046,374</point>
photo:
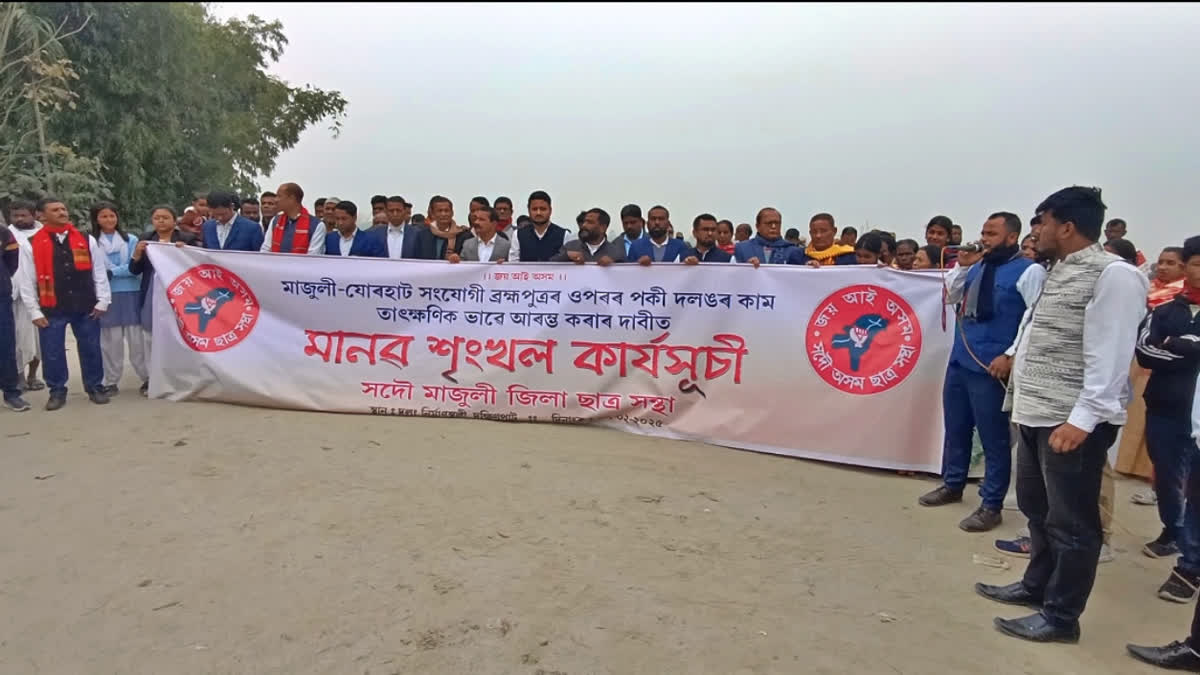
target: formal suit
<point>432,247</point>
<point>408,244</point>
<point>672,252</point>
<point>625,242</point>
<point>617,253</point>
<point>500,248</point>
<point>245,235</point>
<point>364,245</point>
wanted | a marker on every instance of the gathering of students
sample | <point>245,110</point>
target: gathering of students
<point>1046,331</point>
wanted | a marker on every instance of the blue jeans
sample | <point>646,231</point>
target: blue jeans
<point>1060,495</point>
<point>1167,441</point>
<point>8,350</point>
<point>54,351</point>
<point>970,401</point>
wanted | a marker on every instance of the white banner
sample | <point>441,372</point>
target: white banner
<point>842,364</point>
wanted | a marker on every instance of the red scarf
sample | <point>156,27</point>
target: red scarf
<point>1192,294</point>
<point>504,223</point>
<point>299,237</point>
<point>43,244</point>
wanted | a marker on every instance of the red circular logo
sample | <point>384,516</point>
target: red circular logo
<point>863,339</point>
<point>215,309</point>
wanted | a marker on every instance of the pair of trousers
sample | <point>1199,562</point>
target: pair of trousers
<point>113,340</point>
<point>54,351</point>
<point>1168,439</point>
<point>8,351</point>
<point>1060,495</point>
<point>973,400</point>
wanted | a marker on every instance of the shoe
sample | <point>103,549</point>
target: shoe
<point>145,389</point>
<point>16,404</point>
<point>56,402</point>
<point>1175,656</point>
<point>1017,548</point>
<point>34,384</point>
<point>1036,628</point>
<point>1012,594</point>
<point>940,497</point>
<point>1106,554</point>
<point>111,390</point>
<point>1163,547</point>
<point>1145,498</point>
<point>98,397</point>
<point>981,521</point>
<point>1178,587</point>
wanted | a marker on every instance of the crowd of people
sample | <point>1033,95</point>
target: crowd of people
<point>1047,328</point>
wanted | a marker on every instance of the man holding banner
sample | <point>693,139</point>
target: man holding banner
<point>294,230</point>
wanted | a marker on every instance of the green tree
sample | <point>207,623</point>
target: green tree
<point>36,81</point>
<point>172,100</point>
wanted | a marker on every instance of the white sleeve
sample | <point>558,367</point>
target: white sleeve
<point>1030,288</point>
<point>28,284</point>
<point>266,245</point>
<point>100,275</point>
<point>1110,327</point>
<point>514,248</point>
<point>956,284</point>
<point>1196,413</point>
<point>316,239</point>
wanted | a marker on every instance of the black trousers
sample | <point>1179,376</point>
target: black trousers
<point>1060,495</point>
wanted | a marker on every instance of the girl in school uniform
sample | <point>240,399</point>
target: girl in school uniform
<point>120,326</point>
<point>163,229</point>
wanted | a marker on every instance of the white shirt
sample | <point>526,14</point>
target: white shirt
<point>28,281</point>
<point>223,230</point>
<point>346,243</point>
<point>1029,285</point>
<point>316,236</point>
<point>659,255</point>
<point>486,248</point>
<point>395,241</point>
<point>1110,325</point>
<point>514,250</point>
<point>22,237</point>
<point>592,248</point>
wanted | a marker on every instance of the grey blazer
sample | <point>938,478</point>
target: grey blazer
<point>608,248</point>
<point>470,249</point>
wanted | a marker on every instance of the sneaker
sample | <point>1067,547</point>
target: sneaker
<point>1145,498</point>
<point>16,404</point>
<point>56,402</point>
<point>1017,548</point>
<point>981,521</point>
<point>98,397</point>
<point>1178,587</point>
<point>940,496</point>
<point>1163,547</point>
<point>145,389</point>
<point>1106,554</point>
<point>111,390</point>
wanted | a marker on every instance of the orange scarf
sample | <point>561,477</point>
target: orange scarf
<point>299,237</point>
<point>43,244</point>
<point>1161,293</point>
<point>829,255</point>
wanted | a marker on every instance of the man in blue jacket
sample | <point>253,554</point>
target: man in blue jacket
<point>348,240</point>
<point>767,248</point>
<point>704,229</point>
<point>994,298</point>
<point>658,246</point>
<point>226,230</point>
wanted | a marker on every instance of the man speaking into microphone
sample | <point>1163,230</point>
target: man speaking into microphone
<point>993,286</point>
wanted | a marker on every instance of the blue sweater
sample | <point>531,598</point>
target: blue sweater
<point>120,279</point>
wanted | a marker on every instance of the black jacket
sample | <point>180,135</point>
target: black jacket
<point>1169,346</point>
<point>145,268</point>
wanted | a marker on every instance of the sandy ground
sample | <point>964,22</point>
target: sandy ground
<point>151,537</point>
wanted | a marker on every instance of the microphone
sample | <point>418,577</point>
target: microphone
<point>973,247</point>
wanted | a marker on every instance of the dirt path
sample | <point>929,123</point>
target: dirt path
<point>150,537</point>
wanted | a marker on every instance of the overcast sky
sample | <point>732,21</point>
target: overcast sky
<point>887,114</point>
